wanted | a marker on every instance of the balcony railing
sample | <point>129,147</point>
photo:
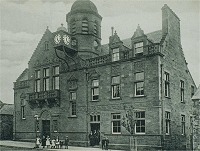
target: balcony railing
<point>21,84</point>
<point>43,95</point>
<point>98,60</point>
<point>154,48</point>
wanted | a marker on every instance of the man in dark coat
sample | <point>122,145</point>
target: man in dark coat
<point>43,141</point>
<point>66,142</point>
<point>106,143</point>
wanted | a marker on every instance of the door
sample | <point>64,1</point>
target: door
<point>95,129</point>
<point>46,128</point>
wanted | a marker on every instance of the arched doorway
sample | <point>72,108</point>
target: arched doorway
<point>46,123</point>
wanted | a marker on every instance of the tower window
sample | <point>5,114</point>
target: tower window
<point>192,90</point>
<point>85,27</point>
<point>166,76</point>
<point>167,122</point>
<point>182,90</point>
<point>46,45</point>
<point>23,108</point>
<point>95,28</point>
<point>183,124</point>
<point>55,77</point>
<point>115,54</point>
<point>73,28</point>
<point>46,79</point>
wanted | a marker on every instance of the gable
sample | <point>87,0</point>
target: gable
<point>23,76</point>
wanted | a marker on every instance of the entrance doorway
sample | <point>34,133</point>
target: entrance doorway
<point>46,128</point>
<point>95,129</point>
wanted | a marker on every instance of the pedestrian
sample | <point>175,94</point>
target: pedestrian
<point>48,142</point>
<point>66,142</point>
<point>57,142</point>
<point>37,142</point>
<point>91,138</point>
<point>106,143</point>
<point>43,141</point>
<point>53,143</point>
<point>103,143</point>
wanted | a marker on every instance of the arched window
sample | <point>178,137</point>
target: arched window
<point>85,26</point>
<point>95,28</point>
<point>73,27</point>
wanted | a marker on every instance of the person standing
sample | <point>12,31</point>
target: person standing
<point>53,143</point>
<point>57,142</point>
<point>66,142</point>
<point>106,143</point>
<point>103,143</point>
<point>43,141</point>
<point>37,142</point>
<point>48,142</point>
<point>91,138</point>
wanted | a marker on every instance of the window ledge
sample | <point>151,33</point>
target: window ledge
<point>113,99</point>
<point>95,100</point>
<point>116,133</point>
<point>183,102</point>
<point>139,96</point>
<point>23,118</point>
<point>72,116</point>
<point>167,97</point>
<point>140,133</point>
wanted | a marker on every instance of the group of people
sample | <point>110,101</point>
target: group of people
<point>51,143</point>
<point>94,138</point>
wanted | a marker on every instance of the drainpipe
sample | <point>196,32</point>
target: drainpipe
<point>87,110</point>
<point>162,106</point>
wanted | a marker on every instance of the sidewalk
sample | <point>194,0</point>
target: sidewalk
<point>29,145</point>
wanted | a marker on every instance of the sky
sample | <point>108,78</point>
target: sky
<point>23,22</point>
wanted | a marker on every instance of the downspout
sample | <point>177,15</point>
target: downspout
<point>162,106</point>
<point>87,133</point>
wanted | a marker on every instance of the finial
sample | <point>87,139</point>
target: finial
<point>112,28</point>
<point>47,27</point>
<point>62,24</point>
<point>115,32</point>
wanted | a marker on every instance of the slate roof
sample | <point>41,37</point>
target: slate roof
<point>196,96</point>
<point>7,109</point>
<point>154,37</point>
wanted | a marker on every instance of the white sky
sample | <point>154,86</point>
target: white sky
<point>23,22</point>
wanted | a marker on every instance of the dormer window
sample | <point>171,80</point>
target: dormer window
<point>85,26</point>
<point>115,54</point>
<point>138,48</point>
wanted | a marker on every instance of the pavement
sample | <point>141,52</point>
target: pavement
<point>30,145</point>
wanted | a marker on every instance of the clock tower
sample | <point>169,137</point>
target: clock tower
<point>84,25</point>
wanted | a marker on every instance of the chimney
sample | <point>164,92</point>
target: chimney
<point>170,24</point>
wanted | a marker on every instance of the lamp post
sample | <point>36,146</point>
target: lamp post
<point>36,124</point>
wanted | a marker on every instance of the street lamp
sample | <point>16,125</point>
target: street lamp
<point>36,124</point>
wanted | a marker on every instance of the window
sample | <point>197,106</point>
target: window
<point>167,122</point>
<point>139,48</point>
<point>95,28</point>
<point>94,118</point>
<point>192,91</point>
<point>46,45</point>
<point>55,125</point>
<point>46,79</point>
<point>37,81</point>
<point>166,78</point>
<point>116,123</point>
<point>73,28</point>
<point>95,90</point>
<point>191,125</point>
<point>23,109</point>
<point>56,77</point>
<point>139,84</point>
<point>85,26</point>
<point>73,108</point>
<point>115,54</point>
<point>182,90</point>
<point>115,87</point>
<point>140,122</point>
<point>72,95</point>
<point>183,124</point>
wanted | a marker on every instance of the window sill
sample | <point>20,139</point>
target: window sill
<point>113,99</point>
<point>140,133</point>
<point>167,97</point>
<point>72,116</point>
<point>139,96</point>
<point>116,133</point>
<point>95,100</point>
<point>183,102</point>
<point>23,118</point>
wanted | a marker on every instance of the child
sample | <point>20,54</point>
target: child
<point>48,142</point>
<point>53,143</point>
<point>37,143</point>
<point>57,142</point>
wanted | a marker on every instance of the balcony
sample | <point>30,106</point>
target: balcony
<point>44,98</point>
<point>21,84</point>
<point>154,49</point>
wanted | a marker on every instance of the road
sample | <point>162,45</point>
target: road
<point>13,148</point>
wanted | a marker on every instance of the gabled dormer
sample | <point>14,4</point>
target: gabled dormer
<point>139,41</point>
<point>115,46</point>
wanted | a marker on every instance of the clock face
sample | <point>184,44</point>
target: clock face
<point>57,39</point>
<point>66,39</point>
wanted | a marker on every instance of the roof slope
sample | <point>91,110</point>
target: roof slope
<point>154,37</point>
<point>196,96</point>
<point>7,109</point>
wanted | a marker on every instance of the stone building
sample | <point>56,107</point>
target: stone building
<point>74,85</point>
<point>6,121</point>
<point>196,125</point>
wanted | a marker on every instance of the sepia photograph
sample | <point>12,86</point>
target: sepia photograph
<point>120,75</point>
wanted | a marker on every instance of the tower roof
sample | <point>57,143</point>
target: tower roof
<point>83,6</point>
